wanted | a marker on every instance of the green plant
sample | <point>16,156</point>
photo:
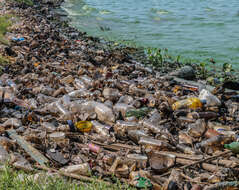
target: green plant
<point>203,69</point>
<point>5,23</point>
<point>11,179</point>
<point>155,56</point>
<point>3,61</point>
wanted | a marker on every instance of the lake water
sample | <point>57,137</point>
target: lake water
<point>198,29</point>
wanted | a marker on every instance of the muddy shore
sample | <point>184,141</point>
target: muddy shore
<point>79,106</point>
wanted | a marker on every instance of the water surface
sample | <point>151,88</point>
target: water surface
<point>198,29</point>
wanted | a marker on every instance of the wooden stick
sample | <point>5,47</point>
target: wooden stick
<point>79,177</point>
<point>200,161</point>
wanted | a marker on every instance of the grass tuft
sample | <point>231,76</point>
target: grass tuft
<point>5,23</point>
<point>17,180</point>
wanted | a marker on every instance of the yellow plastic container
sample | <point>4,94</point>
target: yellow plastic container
<point>190,103</point>
<point>83,126</point>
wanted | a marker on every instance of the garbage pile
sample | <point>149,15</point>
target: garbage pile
<point>86,111</point>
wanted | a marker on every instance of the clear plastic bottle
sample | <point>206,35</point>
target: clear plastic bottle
<point>185,149</point>
<point>100,128</point>
<point>82,169</point>
<point>65,113</point>
<point>152,127</point>
<point>197,129</point>
<point>150,144</point>
<point>104,113</point>
<point>210,99</point>
<point>214,141</point>
<point>111,93</point>
<point>135,135</point>
<point>122,127</point>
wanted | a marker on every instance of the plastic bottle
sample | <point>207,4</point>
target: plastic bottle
<point>155,117</point>
<point>153,144</point>
<point>185,149</point>
<point>214,141</point>
<point>135,135</point>
<point>210,99</point>
<point>79,84</point>
<point>87,80</point>
<point>211,133</point>
<point>65,113</point>
<point>104,113</point>
<point>111,93</point>
<point>57,136</point>
<point>197,129</point>
<point>83,126</point>
<point>126,99</point>
<point>191,103</point>
<point>152,127</point>
<point>122,108</point>
<point>100,128</point>
<point>203,115</point>
<point>79,93</point>
<point>139,159</point>
<point>234,147</point>
<point>184,138</point>
<point>82,169</point>
<point>83,107</point>
<point>122,127</point>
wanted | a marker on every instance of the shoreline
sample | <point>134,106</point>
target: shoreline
<point>59,76</point>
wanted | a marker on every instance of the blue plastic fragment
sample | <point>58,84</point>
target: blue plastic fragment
<point>71,125</point>
<point>18,39</point>
<point>17,107</point>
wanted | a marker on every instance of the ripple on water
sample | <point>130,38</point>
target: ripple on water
<point>202,29</point>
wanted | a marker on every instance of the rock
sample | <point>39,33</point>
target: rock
<point>186,72</point>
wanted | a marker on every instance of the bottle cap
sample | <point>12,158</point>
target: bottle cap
<point>203,101</point>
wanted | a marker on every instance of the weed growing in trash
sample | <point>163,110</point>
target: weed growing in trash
<point>5,23</point>
<point>3,61</point>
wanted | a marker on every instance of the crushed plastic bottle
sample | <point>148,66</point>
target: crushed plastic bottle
<point>101,129</point>
<point>197,129</point>
<point>154,144</point>
<point>210,99</point>
<point>161,162</point>
<point>135,135</point>
<point>82,169</point>
<point>65,113</point>
<point>83,126</point>
<point>190,103</point>
<point>104,113</point>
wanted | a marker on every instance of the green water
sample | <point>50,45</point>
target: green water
<point>198,29</point>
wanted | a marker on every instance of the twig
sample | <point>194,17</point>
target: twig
<point>79,177</point>
<point>200,161</point>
